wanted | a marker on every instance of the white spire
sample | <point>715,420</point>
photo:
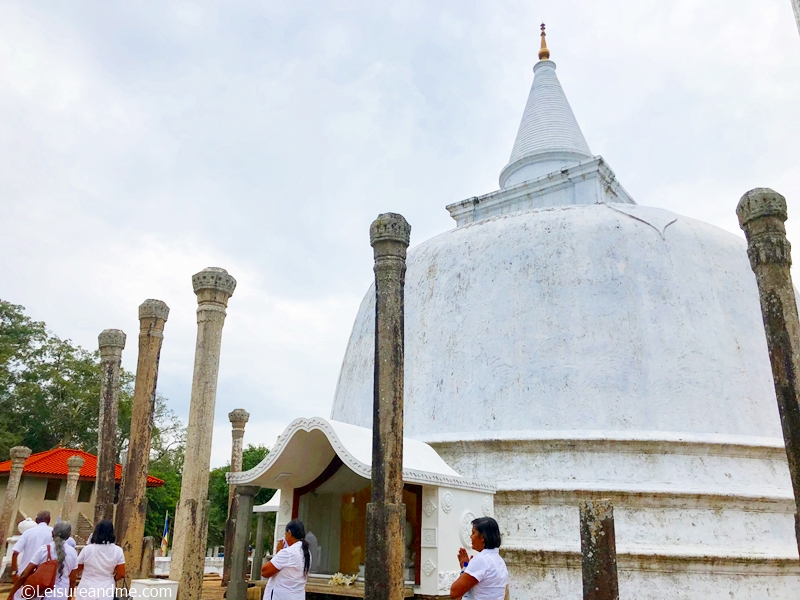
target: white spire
<point>549,137</point>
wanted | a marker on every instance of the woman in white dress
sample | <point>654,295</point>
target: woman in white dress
<point>484,575</point>
<point>101,564</point>
<point>288,569</point>
<point>67,564</point>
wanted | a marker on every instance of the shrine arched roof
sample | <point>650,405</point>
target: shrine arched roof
<point>307,447</point>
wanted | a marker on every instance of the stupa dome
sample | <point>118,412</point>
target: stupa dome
<point>588,317</point>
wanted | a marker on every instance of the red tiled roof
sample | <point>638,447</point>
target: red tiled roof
<point>54,463</point>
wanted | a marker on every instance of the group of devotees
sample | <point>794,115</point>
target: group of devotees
<point>101,563</point>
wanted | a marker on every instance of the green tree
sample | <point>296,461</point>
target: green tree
<point>218,493</point>
<point>49,388</point>
<point>162,500</point>
<point>166,462</point>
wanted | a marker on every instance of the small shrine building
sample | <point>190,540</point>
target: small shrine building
<point>323,470</point>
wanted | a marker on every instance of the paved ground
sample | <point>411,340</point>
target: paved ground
<point>212,590</point>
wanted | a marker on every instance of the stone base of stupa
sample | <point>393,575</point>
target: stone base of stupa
<point>696,517</point>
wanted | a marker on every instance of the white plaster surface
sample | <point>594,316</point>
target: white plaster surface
<point>575,318</point>
<point>590,181</point>
<point>548,125</point>
<point>271,505</point>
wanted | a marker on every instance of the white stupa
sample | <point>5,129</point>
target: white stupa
<point>566,343</point>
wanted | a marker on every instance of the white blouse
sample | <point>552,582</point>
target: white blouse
<point>99,562</point>
<point>492,575</point>
<point>290,582</point>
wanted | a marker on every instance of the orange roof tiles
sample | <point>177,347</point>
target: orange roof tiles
<point>54,463</point>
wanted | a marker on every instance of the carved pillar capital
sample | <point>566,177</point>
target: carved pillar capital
<point>153,309</point>
<point>238,418</point>
<point>75,464</point>
<point>247,490</point>
<point>389,236</point>
<point>19,454</point>
<point>213,286</point>
<point>762,213</point>
<point>111,343</point>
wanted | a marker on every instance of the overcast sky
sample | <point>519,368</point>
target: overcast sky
<point>144,141</point>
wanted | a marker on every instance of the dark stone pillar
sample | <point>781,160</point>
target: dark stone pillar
<point>598,551</point>
<point>132,506</point>
<point>237,586</point>
<point>389,236</point>
<point>238,418</point>
<point>762,213</point>
<point>258,550</point>
<point>112,343</point>
<point>148,568</point>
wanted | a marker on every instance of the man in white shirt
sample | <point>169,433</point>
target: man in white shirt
<point>30,541</point>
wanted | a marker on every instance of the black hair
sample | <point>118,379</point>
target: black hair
<point>298,531</point>
<point>103,533</point>
<point>489,530</point>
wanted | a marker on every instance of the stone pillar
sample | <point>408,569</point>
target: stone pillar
<point>237,589</point>
<point>796,7</point>
<point>213,288</point>
<point>18,456</point>
<point>148,564</point>
<point>598,551</point>
<point>389,236</point>
<point>238,418</point>
<point>111,342</point>
<point>74,465</point>
<point>132,505</point>
<point>258,550</point>
<point>762,213</point>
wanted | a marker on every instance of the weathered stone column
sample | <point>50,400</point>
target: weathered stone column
<point>389,236</point>
<point>18,456</point>
<point>762,213</point>
<point>74,465</point>
<point>237,589</point>
<point>148,565</point>
<point>213,288</point>
<point>238,418</point>
<point>258,550</point>
<point>111,342</point>
<point>132,505</point>
<point>598,551</point>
